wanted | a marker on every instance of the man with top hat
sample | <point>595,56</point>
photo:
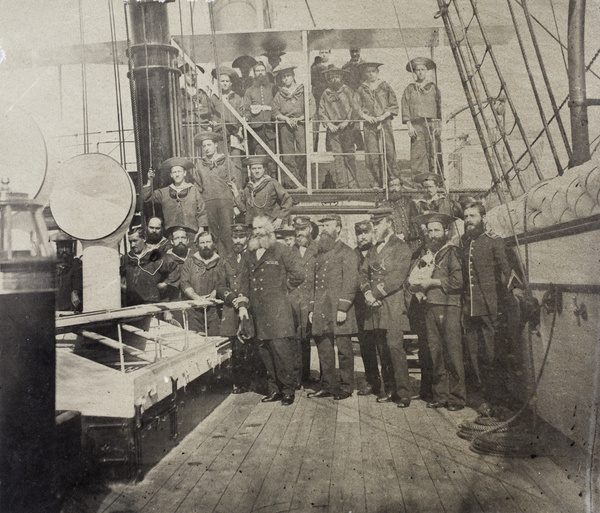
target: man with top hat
<point>442,289</point>
<point>302,296</point>
<point>258,110</point>
<point>332,310</point>
<point>244,63</point>
<point>336,111</point>
<point>422,114</point>
<point>263,195</point>
<point>274,269</point>
<point>382,277</point>
<point>216,176</point>
<point>220,114</point>
<point>368,350</point>
<point>378,105</point>
<point>244,354</point>
<point>156,238</point>
<point>181,201</point>
<point>288,108</point>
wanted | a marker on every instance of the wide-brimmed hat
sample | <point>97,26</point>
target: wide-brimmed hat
<point>243,61</point>
<point>207,135</point>
<point>285,231</point>
<point>435,217</point>
<point>282,69</point>
<point>420,61</point>
<point>224,70</point>
<point>185,67</point>
<point>168,164</point>
<point>421,177</point>
<point>364,65</point>
<point>256,159</point>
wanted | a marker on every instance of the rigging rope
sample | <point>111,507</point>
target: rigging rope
<point>562,46</point>
<point>310,12</point>
<point>189,103</point>
<point>86,134</point>
<point>117,80</point>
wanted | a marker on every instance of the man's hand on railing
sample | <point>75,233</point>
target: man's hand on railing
<point>332,128</point>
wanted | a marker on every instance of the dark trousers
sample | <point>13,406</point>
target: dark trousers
<point>304,359</point>
<point>220,216</point>
<point>394,368</point>
<point>342,141</point>
<point>279,356</point>
<point>487,362</point>
<point>416,317</point>
<point>245,362</point>
<point>325,347</point>
<point>425,149</point>
<point>444,337</point>
<point>293,145</point>
<point>368,353</point>
<point>374,147</point>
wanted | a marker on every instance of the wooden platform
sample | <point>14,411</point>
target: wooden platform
<point>321,455</point>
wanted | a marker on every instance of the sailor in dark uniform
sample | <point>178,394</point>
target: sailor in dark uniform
<point>274,269</point>
<point>333,318</point>
<point>382,278</point>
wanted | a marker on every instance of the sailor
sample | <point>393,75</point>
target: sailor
<point>368,350</point>
<point>216,176</point>
<point>201,275</point>
<point>195,101</point>
<point>144,271</point>
<point>318,80</point>
<point>286,234</point>
<point>274,269</point>
<point>336,111</point>
<point>258,110</point>
<point>443,289</point>
<point>353,80</point>
<point>378,106</point>
<point>382,276</point>
<point>69,274</point>
<point>181,202</point>
<point>221,114</point>
<point>288,108</point>
<point>332,317</point>
<point>175,256</point>
<point>488,278</point>
<point>244,353</point>
<point>422,114</point>
<point>156,238</point>
<point>263,195</point>
<point>244,63</point>
<point>302,296</point>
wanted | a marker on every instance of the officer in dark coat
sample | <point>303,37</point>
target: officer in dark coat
<point>274,269</point>
<point>488,277</point>
<point>382,278</point>
<point>333,317</point>
<point>302,296</point>
<point>368,350</point>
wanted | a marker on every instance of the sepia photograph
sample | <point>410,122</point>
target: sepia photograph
<point>271,256</point>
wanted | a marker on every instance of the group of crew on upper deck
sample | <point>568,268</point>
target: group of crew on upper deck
<point>351,104</point>
<point>289,284</point>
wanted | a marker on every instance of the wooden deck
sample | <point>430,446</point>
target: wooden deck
<point>321,455</point>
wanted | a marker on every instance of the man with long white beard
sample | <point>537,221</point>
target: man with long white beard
<point>382,278</point>
<point>488,277</point>
<point>442,318</point>
<point>274,269</point>
<point>332,317</point>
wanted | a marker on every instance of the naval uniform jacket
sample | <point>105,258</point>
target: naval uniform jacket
<point>267,198</point>
<point>360,305</point>
<point>486,273</point>
<point>142,276</point>
<point>236,284</point>
<point>271,277</point>
<point>384,274</point>
<point>447,269</point>
<point>336,283</point>
<point>302,296</point>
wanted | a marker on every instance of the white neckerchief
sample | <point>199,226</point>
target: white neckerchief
<point>385,241</point>
<point>302,250</point>
<point>259,253</point>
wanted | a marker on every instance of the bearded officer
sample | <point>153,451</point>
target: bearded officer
<point>274,269</point>
<point>333,318</point>
<point>382,278</point>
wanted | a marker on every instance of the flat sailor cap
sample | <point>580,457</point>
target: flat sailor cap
<point>256,159</point>
<point>285,231</point>
<point>239,229</point>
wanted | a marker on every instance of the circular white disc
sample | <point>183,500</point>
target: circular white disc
<point>92,196</point>
<point>23,159</point>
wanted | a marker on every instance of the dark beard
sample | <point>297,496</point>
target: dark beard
<point>365,246</point>
<point>395,195</point>
<point>238,249</point>
<point>207,253</point>
<point>436,244</point>
<point>302,240</point>
<point>326,243</point>
<point>474,230</point>
<point>335,86</point>
<point>262,80</point>
<point>181,250</point>
<point>153,238</point>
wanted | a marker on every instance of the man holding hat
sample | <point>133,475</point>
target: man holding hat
<point>422,114</point>
<point>336,111</point>
<point>216,176</point>
<point>302,296</point>
<point>258,109</point>
<point>442,318</point>
<point>181,202</point>
<point>263,195</point>
<point>221,114</point>
<point>288,107</point>
<point>378,105</point>
<point>332,316</point>
<point>382,277</point>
